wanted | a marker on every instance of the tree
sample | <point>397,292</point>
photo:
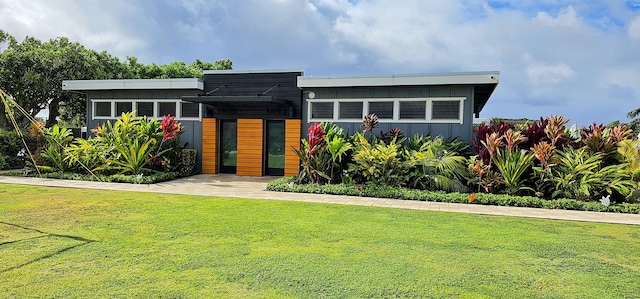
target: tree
<point>32,72</point>
<point>635,116</point>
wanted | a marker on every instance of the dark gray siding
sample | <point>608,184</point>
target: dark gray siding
<point>192,135</point>
<point>462,131</point>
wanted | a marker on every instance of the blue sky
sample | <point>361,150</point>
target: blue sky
<point>575,58</point>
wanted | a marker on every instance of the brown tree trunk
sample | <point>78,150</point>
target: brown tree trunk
<point>54,111</point>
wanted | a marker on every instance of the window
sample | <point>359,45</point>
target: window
<point>350,110</point>
<point>102,109</point>
<point>445,110</point>
<point>322,110</point>
<point>384,110</point>
<point>166,108</point>
<point>144,109</point>
<point>123,107</point>
<point>399,110</point>
<point>189,109</point>
<point>413,110</point>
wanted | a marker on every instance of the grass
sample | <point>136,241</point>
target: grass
<point>57,242</point>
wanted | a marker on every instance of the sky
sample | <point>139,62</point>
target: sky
<point>574,58</point>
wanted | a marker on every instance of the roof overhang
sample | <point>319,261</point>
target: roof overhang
<point>402,80</point>
<point>484,83</point>
<point>234,99</point>
<point>216,72</point>
<point>178,83</point>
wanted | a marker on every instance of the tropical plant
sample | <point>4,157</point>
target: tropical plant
<point>379,163</point>
<point>131,158</point>
<point>391,135</point>
<point>416,141</point>
<point>513,164</point>
<point>576,173</point>
<point>535,133</point>
<point>513,138</point>
<point>555,130</point>
<point>89,154</point>
<point>313,162</point>
<point>481,175</point>
<point>628,154</point>
<point>481,132</point>
<point>370,122</point>
<point>433,167</point>
<point>54,154</point>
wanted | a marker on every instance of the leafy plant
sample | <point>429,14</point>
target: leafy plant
<point>391,135</point>
<point>481,132</point>
<point>555,130</point>
<point>535,133</point>
<point>132,158</point>
<point>513,164</point>
<point>601,139</point>
<point>481,175</point>
<point>436,168</point>
<point>312,156</point>
<point>379,163</point>
<point>576,173</point>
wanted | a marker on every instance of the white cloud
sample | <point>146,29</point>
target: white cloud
<point>555,57</point>
<point>634,29</point>
<point>541,73</point>
<point>567,17</point>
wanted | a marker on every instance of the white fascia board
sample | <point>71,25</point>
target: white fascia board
<point>410,80</point>
<point>179,83</point>
<point>217,72</point>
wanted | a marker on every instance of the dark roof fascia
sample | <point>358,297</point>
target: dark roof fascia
<point>234,99</point>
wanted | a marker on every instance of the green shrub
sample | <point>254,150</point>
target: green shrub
<point>288,184</point>
<point>187,162</point>
<point>11,148</point>
<point>378,163</point>
<point>115,178</point>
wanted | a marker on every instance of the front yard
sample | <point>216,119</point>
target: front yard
<point>58,242</point>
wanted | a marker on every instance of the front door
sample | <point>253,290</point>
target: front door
<point>228,146</point>
<point>275,148</point>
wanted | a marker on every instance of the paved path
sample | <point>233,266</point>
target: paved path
<point>254,187</point>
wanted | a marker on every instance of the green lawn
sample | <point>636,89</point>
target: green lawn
<point>58,242</point>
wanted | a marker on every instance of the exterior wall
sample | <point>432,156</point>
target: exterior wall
<point>462,131</point>
<point>210,151</point>
<point>192,127</point>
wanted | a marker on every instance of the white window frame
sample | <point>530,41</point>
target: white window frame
<point>396,109</point>
<point>134,106</point>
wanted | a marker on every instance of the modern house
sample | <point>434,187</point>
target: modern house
<point>245,122</point>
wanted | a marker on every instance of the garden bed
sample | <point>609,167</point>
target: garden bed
<point>114,178</point>
<point>288,184</point>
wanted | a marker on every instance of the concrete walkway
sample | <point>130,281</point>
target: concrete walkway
<point>254,187</point>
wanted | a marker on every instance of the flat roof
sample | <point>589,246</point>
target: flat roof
<point>474,78</point>
<point>212,72</point>
<point>174,83</point>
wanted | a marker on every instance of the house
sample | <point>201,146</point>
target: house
<point>245,122</point>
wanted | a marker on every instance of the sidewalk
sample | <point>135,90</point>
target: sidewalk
<point>254,187</point>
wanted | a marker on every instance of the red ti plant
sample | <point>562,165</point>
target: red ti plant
<point>513,138</point>
<point>535,133</point>
<point>598,138</point>
<point>543,151</point>
<point>492,142</point>
<point>555,130</point>
<point>170,128</point>
<point>316,137</point>
<point>481,132</point>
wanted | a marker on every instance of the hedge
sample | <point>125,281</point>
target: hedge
<point>288,184</point>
